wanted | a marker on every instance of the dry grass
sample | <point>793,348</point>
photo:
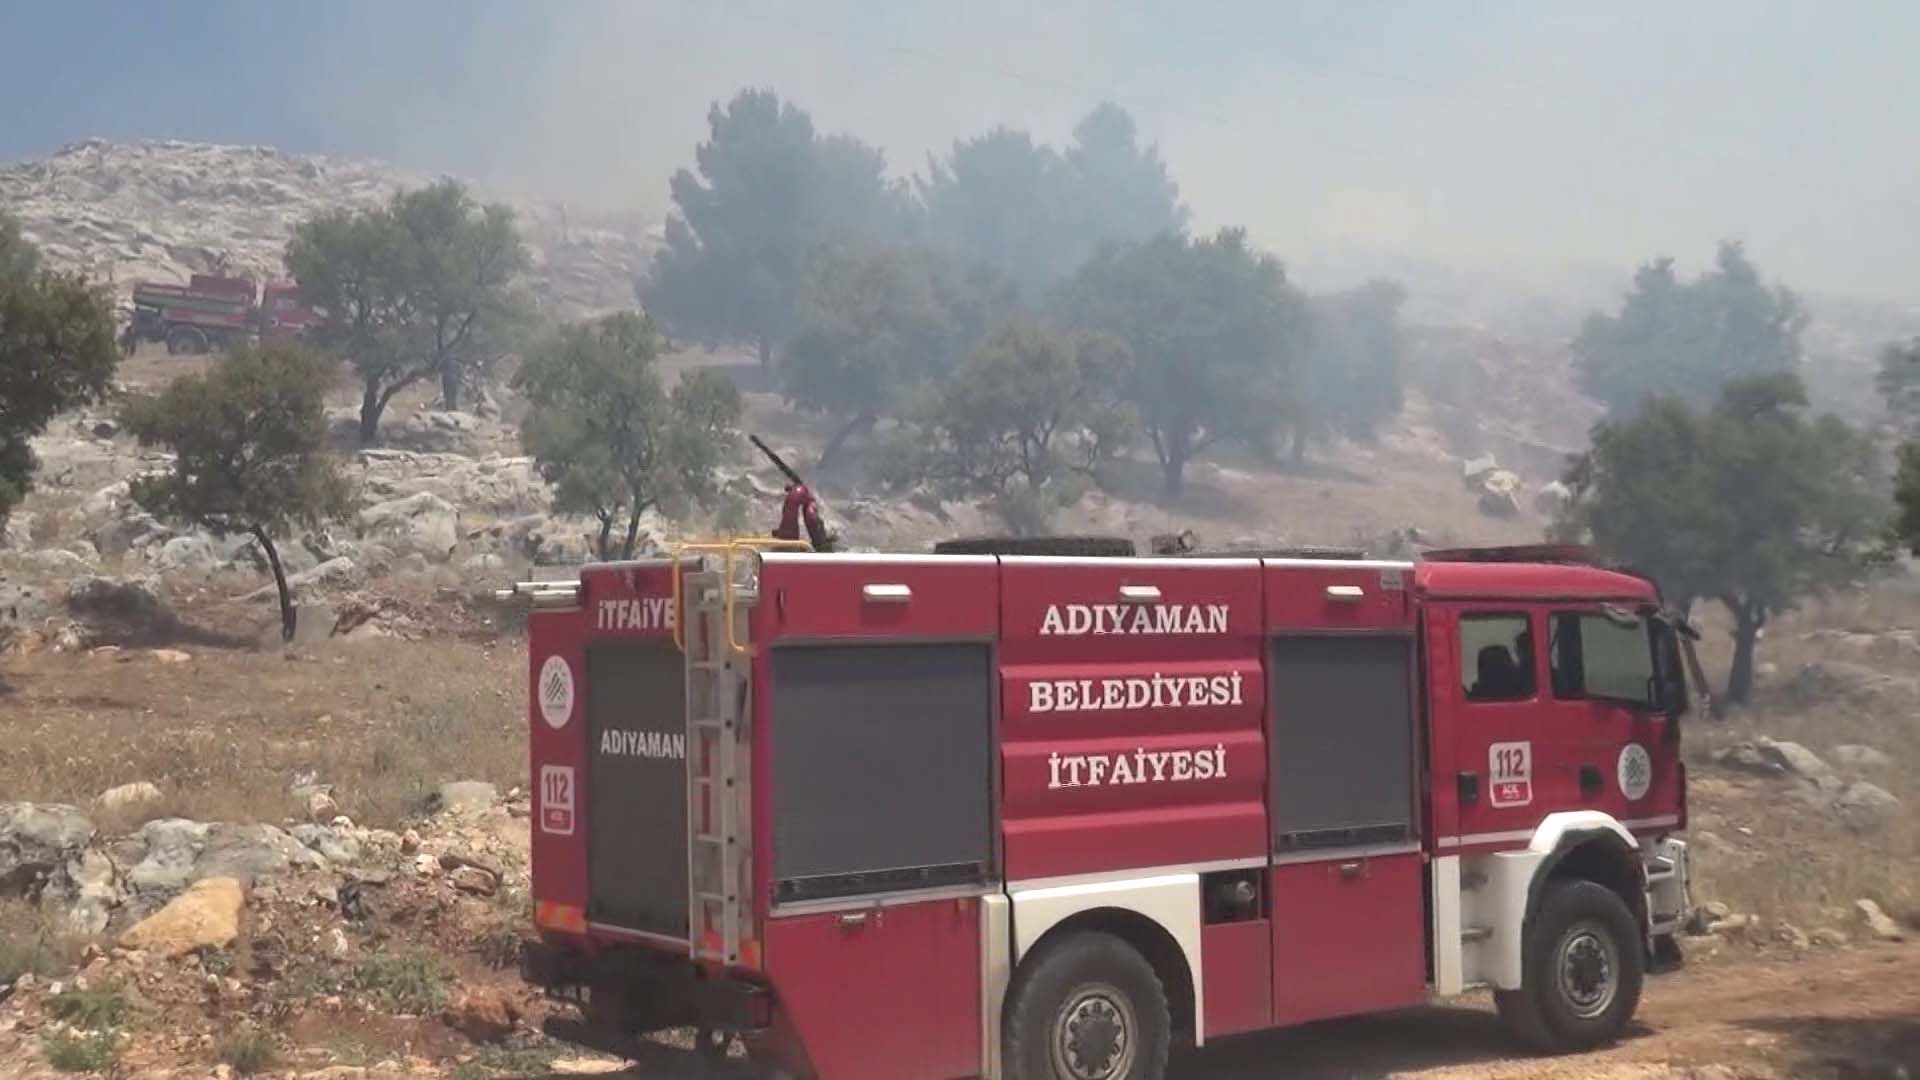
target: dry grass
<point>33,942</point>
<point>1801,869</point>
<point>151,367</point>
<point>56,518</point>
<point>224,735</point>
<point>1784,858</point>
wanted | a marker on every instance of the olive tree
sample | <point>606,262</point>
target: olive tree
<point>1685,339</point>
<point>1906,494</point>
<point>1216,333</point>
<point>877,328</point>
<point>608,434</point>
<point>1024,421</point>
<point>424,287</point>
<point>1753,504</point>
<point>1348,381</point>
<point>56,352</point>
<point>249,439</point>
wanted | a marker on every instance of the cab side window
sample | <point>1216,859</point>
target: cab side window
<point>1496,657</point>
<point>1602,656</point>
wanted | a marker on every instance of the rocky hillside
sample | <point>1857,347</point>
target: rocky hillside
<point>162,210</point>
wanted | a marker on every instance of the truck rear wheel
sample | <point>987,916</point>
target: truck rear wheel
<point>1087,1007</point>
<point>187,340</point>
<point>1582,968</point>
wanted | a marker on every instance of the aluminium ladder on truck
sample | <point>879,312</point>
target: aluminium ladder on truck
<point>714,599</point>
<point>717,859</point>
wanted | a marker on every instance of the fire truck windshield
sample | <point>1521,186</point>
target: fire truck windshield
<point>1603,657</point>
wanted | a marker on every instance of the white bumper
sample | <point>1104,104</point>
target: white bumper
<point>1669,887</point>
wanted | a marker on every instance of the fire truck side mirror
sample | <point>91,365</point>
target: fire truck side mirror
<point>1670,694</point>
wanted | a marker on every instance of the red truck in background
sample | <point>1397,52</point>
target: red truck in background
<point>913,817</point>
<point>213,311</point>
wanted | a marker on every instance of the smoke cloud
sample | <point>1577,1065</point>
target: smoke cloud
<point>1354,137</point>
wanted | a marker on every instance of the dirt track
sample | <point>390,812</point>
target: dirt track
<point>1829,1014</point>
<point>1852,1015</point>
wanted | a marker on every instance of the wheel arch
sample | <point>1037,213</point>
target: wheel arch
<point>1574,845</point>
<point>1152,941</point>
<point>1159,917</point>
<point>1589,847</point>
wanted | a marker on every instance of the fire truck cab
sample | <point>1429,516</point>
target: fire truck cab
<point>912,817</point>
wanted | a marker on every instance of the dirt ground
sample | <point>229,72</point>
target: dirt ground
<point>1831,1015</point>
<point>1852,1014</point>
<point>1845,1015</point>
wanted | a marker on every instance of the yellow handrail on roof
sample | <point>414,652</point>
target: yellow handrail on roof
<point>728,549</point>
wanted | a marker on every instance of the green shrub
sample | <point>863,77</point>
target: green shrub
<point>91,1010</point>
<point>95,1053</point>
<point>248,1051</point>
<point>408,981</point>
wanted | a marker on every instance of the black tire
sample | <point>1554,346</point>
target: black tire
<point>1087,1007</point>
<point>1582,966</point>
<point>187,340</point>
<point>1106,547</point>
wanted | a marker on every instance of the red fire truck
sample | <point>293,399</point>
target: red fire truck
<point>908,817</point>
<point>212,312</point>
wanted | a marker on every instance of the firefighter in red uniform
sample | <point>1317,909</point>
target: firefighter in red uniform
<point>800,506</point>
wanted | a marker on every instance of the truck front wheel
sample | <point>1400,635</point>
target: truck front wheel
<point>1087,1007</point>
<point>1582,968</point>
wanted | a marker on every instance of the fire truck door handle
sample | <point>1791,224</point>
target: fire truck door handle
<point>1350,870</point>
<point>1589,780</point>
<point>853,920</point>
<point>1469,788</point>
<point>1139,594</point>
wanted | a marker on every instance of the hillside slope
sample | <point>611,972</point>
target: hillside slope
<point>165,209</point>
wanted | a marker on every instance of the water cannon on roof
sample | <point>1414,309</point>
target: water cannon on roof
<point>799,506</point>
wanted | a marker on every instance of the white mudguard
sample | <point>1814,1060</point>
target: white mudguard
<point>1669,887</point>
<point>1489,894</point>
<point>1171,900</point>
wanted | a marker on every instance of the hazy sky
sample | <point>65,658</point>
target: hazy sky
<point>1473,132</point>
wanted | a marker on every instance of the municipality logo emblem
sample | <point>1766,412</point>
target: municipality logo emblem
<point>556,692</point>
<point>1635,771</point>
